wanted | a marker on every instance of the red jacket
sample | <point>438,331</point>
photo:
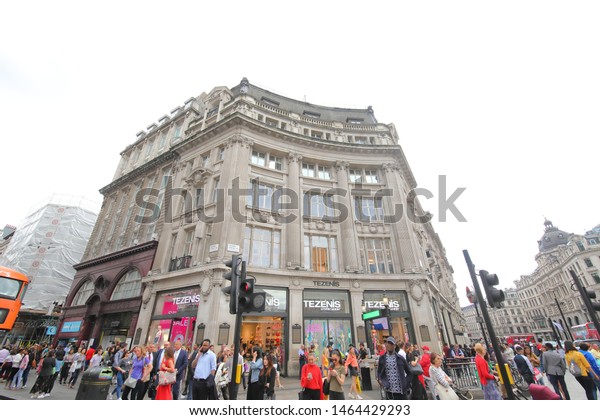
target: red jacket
<point>425,363</point>
<point>317,380</point>
<point>483,370</point>
<point>89,354</point>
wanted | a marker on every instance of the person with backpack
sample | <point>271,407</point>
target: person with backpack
<point>580,368</point>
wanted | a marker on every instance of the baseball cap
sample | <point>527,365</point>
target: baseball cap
<point>425,348</point>
<point>517,347</point>
<point>391,340</point>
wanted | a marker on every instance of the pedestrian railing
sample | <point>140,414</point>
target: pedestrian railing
<point>463,372</point>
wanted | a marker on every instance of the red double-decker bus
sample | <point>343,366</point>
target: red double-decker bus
<point>519,338</point>
<point>12,289</point>
<point>585,331</point>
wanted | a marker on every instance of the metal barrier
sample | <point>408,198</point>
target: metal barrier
<point>463,372</point>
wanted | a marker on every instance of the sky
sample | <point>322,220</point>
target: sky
<point>500,98</point>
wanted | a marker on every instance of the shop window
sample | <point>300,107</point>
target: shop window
<point>84,293</point>
<point>376,255</point>
<point>320,254</point>
<point>262,247</point>
<point>130,285</point>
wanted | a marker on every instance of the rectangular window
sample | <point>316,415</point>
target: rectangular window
<point>269,101</point>
<point>320,254</point>
<point>162,140</point>
<point>355,175</point>
<point>205,159</point>
<point>149,147</point>
<point>215,194</point>
<point>376,254</point>
<point>371,177</point>
<point>199,198</point>
<point>318,205</point>
<point>308,170</point>
<point>262,247</point>
<point>323,172</point>
<point>221,154</point>
<point>368,209</point>
<point>366,176</point>
<point>189,241</point>
<point>261,197</point>
<point>177,130</point>
<point>588,262</point>
<point>580,246</point>
<point>275,163</point>
<point>596,277</point>
<point>271,122</point>
<point>258,158</point>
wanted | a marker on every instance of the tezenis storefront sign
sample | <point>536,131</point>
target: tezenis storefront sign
<point>325,305</point>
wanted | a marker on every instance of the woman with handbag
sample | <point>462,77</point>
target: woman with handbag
<point>76,366</point>
<point>267,378</point>
<point>64,370</point>
<point>417,384</point>
<point>166,375</point>
<point>442,381</point>
<point>134,383</point>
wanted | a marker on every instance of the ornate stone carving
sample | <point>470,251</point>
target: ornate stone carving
<point>391,167</point>
<point>147,293</point>
<point>356,284</point>
<point>237,138</point>
<point>294,157</point>
<point>198,177</point>
<point>208,283</point>
<point>341,166</point>
<point>416,290</point>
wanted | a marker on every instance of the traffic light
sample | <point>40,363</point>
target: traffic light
<point>234,277</point>
<point>591,294</point>
<point>494,296</point>
<point>248,299</point>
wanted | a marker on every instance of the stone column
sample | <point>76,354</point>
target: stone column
<point>402,235</point>
<point>349,243</point>
<point>293,244</point>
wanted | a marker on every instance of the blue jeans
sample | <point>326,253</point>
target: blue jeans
<point>120,382</point>
<point>26,375</point>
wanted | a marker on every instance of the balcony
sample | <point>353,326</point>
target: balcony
<point>180,263</point>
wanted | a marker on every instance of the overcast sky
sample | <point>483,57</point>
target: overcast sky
<point>500,97</point>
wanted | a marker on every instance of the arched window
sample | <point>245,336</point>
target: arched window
<point>129,286</point>
<point>570,322</point>
<point>84,293</point>
<point>576,320</point>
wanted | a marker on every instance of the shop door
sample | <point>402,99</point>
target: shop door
<point>321,332</point>
<point>182,329</point>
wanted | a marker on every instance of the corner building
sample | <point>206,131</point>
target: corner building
<point>307,195</point>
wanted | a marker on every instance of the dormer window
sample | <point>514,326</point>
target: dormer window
<point>312,114</point>
<point>269,101</point>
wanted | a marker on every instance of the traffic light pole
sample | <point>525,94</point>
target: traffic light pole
<point>237,333</point>
<point>487,345</point>
<point>490,328</point>
<point>586,300</point>
<point>564,320</point>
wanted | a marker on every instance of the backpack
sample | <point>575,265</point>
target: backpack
<point>574,368</point>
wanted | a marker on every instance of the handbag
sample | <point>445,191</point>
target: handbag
<point>167,378</point>
<point>416,369</point>
<point>146,374</point>
<point>445,393</point>
<point>301,394</point>
<point>130,382</point>
<point>326,387</point>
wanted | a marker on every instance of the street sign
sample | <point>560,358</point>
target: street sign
<point>471,296</point>
<point>378,313</point>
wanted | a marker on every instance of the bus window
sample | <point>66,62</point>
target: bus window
<point>9,288</point>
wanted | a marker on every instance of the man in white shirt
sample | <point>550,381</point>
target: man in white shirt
<point>205,367</point>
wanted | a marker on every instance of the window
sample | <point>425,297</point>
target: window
<point>269,101</point>
<point>367,176</point>
<point>368,209</point>
<point>215,194</point>
<point>318,205</point>
<point>189,242</point>
<point>177,131</point>
<point>592,241</point>
<point>258,158</point>
<point>275,163</point>
<point>221,154</point>
<point>262,247</point>
<point>580,246</point>
<point>205,160</point>
<point>271,122</point>
<point>376,255</point>
<point>199,198</point>
<point>316,171</point>
<point>312,114</point>
<point>84,293</point>
<point>266,160</point>
<point>162,140</point>
<point>261,196</point>
<point>596,277</point>
<point>354,120</point>
<point>149,148</point>
<point>129,286</point>
<point>320,254</point>
<point>588,262</point>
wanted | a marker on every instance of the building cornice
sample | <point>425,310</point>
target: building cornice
<point>131,176</point>
<point>117,255</point>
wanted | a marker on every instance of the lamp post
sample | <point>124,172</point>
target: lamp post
<point>386,305</point>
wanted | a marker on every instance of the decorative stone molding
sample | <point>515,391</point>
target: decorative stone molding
<point>236,138</point>
<point>356,284</point>
<point>294,158</point>
<point>198,177</point>
<point>147,295</point>
<point>320,225</point>
<point>416,290</point>
<point>208,283</point>
<point>391,167</point>
<point>341,165</point>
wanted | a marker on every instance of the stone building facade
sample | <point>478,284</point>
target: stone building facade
<point>311,196</point>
